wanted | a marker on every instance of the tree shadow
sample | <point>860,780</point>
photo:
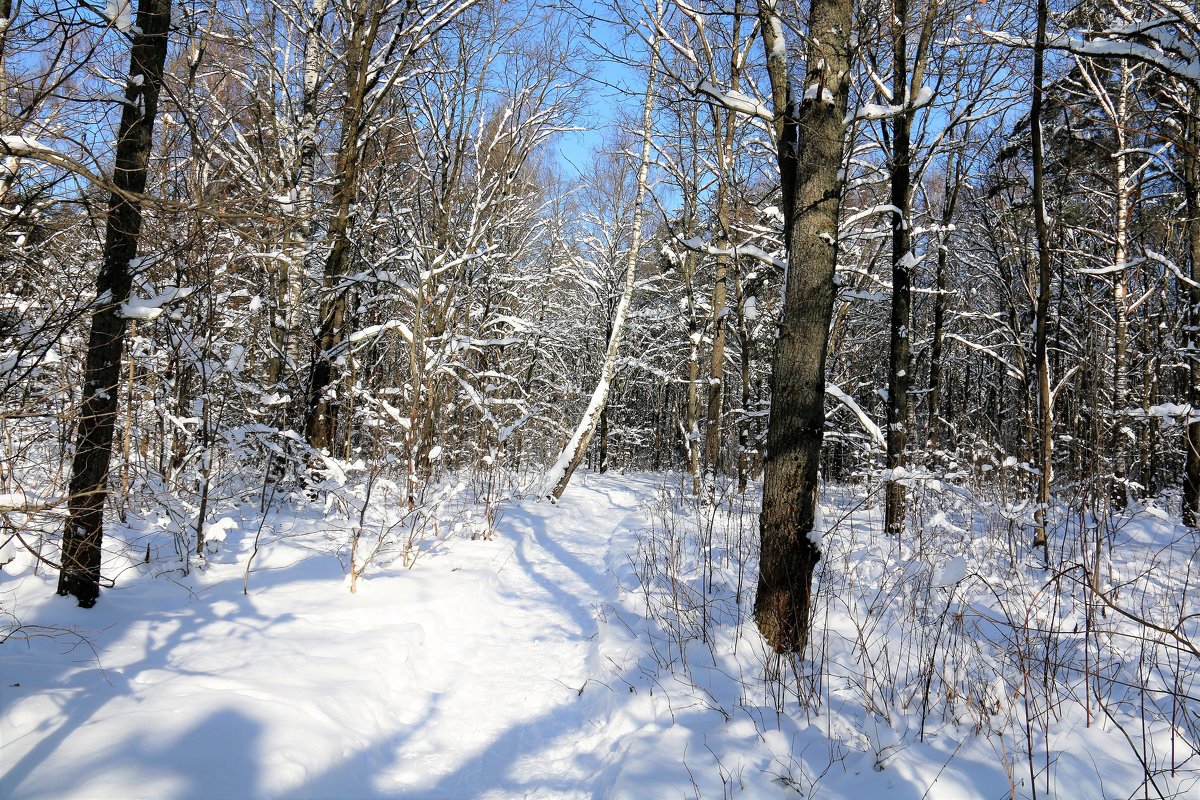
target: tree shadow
<point>45,668</point>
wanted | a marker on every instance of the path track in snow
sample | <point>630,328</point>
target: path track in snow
<point>459,678</point>
<point>535,629</point>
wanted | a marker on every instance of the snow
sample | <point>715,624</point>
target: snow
<point>24,500</point>
<point>734,100</point>
<point>736,251</point>
<point>153,307</point>
<point>817,93</point>
<point>120,14</point>
<point>867,423</point>
<point>951,572</point>
<point>562,658</point>
<point>876,111</point>
<point>19,146</point>
<point>1156,47</point>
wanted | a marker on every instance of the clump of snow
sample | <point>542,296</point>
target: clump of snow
<point>120,14</point>
<point>152,307</point>
<point>16,145</point>
<point>215,533</point>
<point>952,572</point>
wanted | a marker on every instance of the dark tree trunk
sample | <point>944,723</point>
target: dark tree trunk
<point>1191,150</point>
<point>321,418</point>
<point>745,353</point>
<point>84,532</point>
<point>809,170</point>
<point>1045,439</point>
<point>602,466</point>
<point>940,300</point>
<point>900,362</point>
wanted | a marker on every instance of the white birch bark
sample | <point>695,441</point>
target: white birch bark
<point>572,455</point>
<point>301,232</point>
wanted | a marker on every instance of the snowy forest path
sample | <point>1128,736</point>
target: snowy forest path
<point>477,673</point>
<point>537,628</point>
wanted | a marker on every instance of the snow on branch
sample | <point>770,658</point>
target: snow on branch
<point>698,245</point>
<point>1163,49</point>
<point>22,146</point>
<point>868,425</point>
<point>1172,267</point>
<point>873,111</point>
<point>120,14</point>
<point>733,100</point>
<point>152,308</point>
<point>1013,372</point>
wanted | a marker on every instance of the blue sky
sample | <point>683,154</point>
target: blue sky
<point>609,87</point>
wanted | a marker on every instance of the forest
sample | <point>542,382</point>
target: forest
<point>753,398</point>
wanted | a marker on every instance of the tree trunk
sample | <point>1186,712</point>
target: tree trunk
<point>1192,192</point>
<point>937,343</point>
<point>716,367</point>
<point>8,175</point>
<point>1119,491</point>
<point>725,261</point>
<point>320,424</point>
<point>745,354</point>
<point>84,532</point>
<point>602,466</point>
<point>811,185</point>
<point>903,259</point>
<point>299,233</point>
<point>1045,444</point>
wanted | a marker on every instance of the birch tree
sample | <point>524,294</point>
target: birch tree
<point>572,455</point>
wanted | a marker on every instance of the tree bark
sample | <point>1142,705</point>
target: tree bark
<point>725,261</point>
<point>900,361</point>
<point>1045,444</point>
<point>1119,492</point>
<point>1191,184</point>
<point>8,175</point>
<point>84,532</point>
<point>320,424</point>
<point>745,354</point>
<point>299,239</point>
<point>809,165</point>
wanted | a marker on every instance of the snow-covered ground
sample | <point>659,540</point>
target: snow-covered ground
<point>601,647</point>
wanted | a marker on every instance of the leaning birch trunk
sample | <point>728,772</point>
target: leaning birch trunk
<point>84,531</point>
<point>8,163</point>
<point>811,180</point>
<point>572,455</point>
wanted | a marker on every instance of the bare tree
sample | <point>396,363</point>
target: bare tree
<point>809,134</point>
<point>1045,439</point>
<point>83,535</point>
